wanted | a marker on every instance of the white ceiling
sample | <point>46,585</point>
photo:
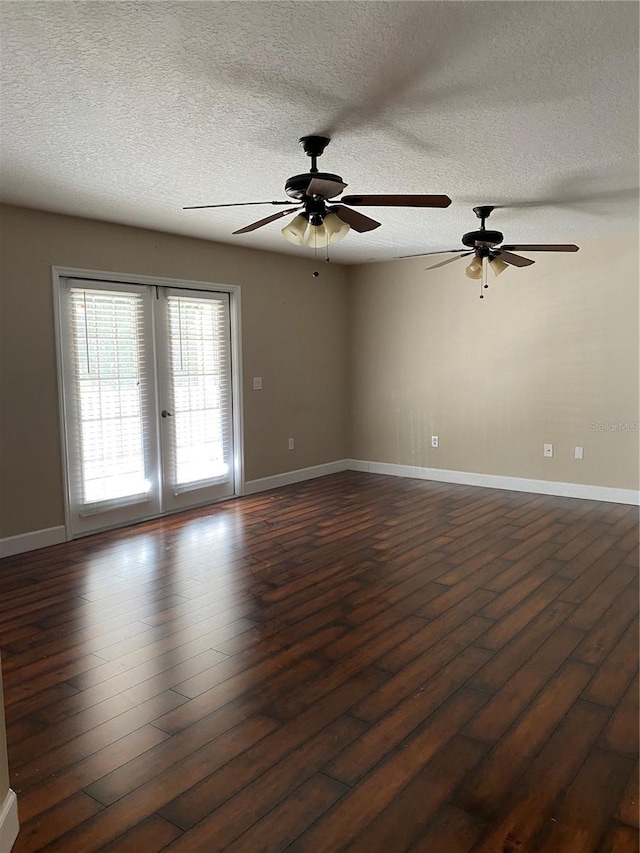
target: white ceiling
<point>127,111</point>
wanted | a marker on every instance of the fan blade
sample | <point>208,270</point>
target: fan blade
<point>398,200</point>
<point>358,221</point>
<point>233,204</point>
<point>425,254</point>
<point>325,188</point>
<point>514,260</point>
<point>448,261</point>
<point>266,220</point>
<point>545,247</point>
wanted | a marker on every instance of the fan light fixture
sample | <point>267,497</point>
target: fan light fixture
<point>336,228</point>
<point>301,231</point>
<point>497,265</point>
<point>474,269</point>
<point>295,230</point>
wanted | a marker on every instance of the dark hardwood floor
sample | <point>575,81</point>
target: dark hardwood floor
<point>358,663</point>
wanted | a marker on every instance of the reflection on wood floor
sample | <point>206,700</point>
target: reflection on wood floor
<point>359,663</point>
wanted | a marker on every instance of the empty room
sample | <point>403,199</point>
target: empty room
<point>319,421</point>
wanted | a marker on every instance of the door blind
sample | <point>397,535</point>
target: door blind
<point>200,392</point>
<point>109,397</point>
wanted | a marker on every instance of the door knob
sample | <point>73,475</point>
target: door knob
<point>165,413</point>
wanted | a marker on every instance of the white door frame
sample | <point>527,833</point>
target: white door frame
<point>234,292</point>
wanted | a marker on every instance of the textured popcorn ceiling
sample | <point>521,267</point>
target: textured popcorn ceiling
<point>127,111</point>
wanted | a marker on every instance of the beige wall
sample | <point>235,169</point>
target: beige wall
<point>552,349</point>
<point>294,332</point>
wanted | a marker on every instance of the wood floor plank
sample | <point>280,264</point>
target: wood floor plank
<point>77,777</point>
<point>314,734</point>
<point>583,813</point>
<point>391,730</point>
<point>628,807</point>
<point>151,836</point>
<point>41,764</point>
<point>356,810</point>
<point>619,839</point>
<point>114,820</point>
<point>359,662</point>
<point>285,822</point>
<point>405,819</point>
<point>451,830</point>
<point>486,788</point>
<point>508,703</point>
<point>621,734</point>
<point>512,656</point>
<point>524,818</point>
<point>434,631</point>
<point>604,635</point>
<point>521,615</point>
<point>617,670</point>
<point>47,827</point>
<point>254,803</point>
<point>420,670</point>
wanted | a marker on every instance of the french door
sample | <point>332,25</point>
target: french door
<point>148,414</point>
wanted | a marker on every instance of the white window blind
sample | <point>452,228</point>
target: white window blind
<point>109,391</point>
<point>200,390</point>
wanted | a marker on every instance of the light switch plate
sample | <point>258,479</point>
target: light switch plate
<point>257,383</point>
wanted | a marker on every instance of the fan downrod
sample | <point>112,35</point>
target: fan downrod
<point>297,185</point>
<point>488,238</point>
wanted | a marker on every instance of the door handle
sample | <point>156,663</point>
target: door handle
<point>166,414</point>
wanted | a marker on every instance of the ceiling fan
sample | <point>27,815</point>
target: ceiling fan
<point>483,245</point>
<point>318,222</point>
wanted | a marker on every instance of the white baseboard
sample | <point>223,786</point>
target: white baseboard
<point>55,535</point>
<point>252,487</point>
<point>32,540</point>
<point>9,825</point>
<point>494,481</point>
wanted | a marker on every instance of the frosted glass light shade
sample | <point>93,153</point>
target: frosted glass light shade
<point>294,231</point>
<point>316,235</point>
<point>335,227</point>
<point>497,265</point>
<point>474,269</point>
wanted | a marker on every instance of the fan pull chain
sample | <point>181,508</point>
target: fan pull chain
<point>483,281</point>
<point>315,273</point>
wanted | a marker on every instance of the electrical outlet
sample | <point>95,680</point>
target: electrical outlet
<point>578,453</point>
<point>434,441</point>
<point>548,450</point>
<point>292,444</point>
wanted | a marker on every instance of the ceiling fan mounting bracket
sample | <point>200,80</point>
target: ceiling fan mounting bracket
<point>314,145</point>
<point>484,211</point>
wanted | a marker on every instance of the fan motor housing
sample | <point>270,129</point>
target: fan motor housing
<point>491,237</point>
<point>297,186</point>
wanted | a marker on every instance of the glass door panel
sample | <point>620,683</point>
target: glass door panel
<point>195,387</point>
<point>147,401</point>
